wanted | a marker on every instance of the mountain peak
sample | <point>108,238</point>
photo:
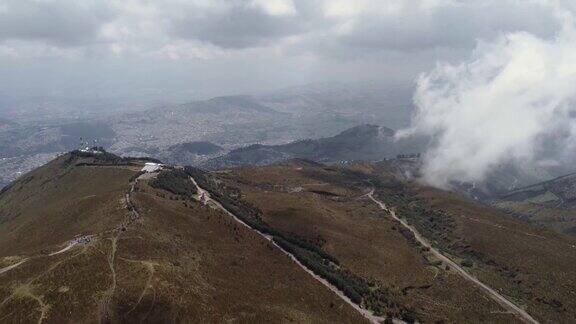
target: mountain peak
<point>367,130</point>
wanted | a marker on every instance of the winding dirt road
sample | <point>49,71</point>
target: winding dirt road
<point>366,313</point>
<point>503,301</point>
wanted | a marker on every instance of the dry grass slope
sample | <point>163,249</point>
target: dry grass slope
<point>328,207</point>
<point>178,261</point>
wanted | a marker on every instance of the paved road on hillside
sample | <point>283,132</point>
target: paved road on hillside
<point>503,301</point>
<point>366,313</point>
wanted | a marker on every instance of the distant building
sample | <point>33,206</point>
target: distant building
<point>92,150</point>
<point>152,167</point>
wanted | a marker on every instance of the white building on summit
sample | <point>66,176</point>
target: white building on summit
<point>91,150</point>
<point>152,167</point>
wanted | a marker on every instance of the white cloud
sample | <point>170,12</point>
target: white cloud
<point>511,100</point>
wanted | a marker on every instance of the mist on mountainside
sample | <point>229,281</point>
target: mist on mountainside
<point>511,104</point>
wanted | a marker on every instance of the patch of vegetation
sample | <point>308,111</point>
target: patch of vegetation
<point>324,193</point>
<point>436,225</point>
<point>230,199</point>
<point>309,253</point>
<point>358,289</point>
<point>175,181</point>
<point>467,263</point>
<point>351,288</point>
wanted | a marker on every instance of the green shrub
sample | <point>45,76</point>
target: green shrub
<point>467,263</point>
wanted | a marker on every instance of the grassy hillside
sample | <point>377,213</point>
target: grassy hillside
<point>328,208</point>
<point>92,240</point>
<point>54,203</point>
<point>550,204</point>
<point>160,256</point>
<point>531,265</point>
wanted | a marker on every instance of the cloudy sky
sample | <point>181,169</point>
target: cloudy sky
<point>213,47</point>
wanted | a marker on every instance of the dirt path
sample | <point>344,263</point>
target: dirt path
<point>105,304</point>
<point>105,313</point>
<point>70,245</point>
<point>150,267</point>
<point>500,299</point>
<point>81,240</point>
<point>10,267</point>
<point>27,291</point>
<point>366,313</point>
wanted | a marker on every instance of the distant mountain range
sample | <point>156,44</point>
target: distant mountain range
<point>312,111</point>
<point>191,153</point>
<point>230,122</point>
<point>550,203</point>
<point>222,132</point>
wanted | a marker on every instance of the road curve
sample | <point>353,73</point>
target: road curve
<point>364,312</point>
<point>503,301</point>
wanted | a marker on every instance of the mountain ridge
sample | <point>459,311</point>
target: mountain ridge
<point>363,142</point>
<point>152,236</point>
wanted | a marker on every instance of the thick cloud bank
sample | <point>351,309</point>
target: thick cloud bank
<point>510,103</point>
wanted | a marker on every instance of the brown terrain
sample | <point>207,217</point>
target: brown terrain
<point>562,220</point>
<point>534,266</point>
<point>531,267</point>
<point>324,206</point>
<point>90,238</point>
<point>160,257</point>
<point>551,204</point>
